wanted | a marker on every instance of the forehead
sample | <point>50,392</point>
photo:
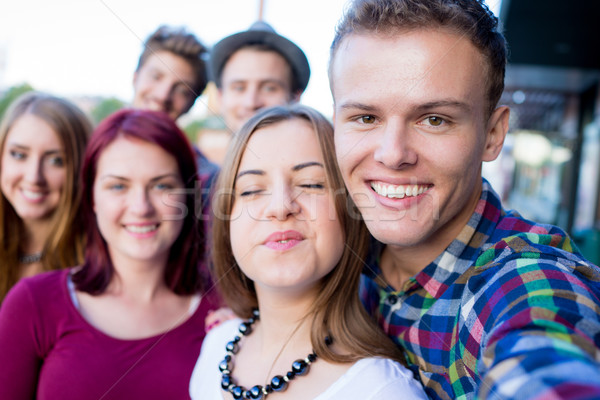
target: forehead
<point>414,64</point>
<point>127,156</point>
<point>169,64</point>
<point>32,131</point>
<point>286,143</point>
<point>249,64</point>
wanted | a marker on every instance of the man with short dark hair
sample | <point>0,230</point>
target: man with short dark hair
<point>171,72</point>
<point>254,69</point>
<point>170,76</point>
<point>484,302</point>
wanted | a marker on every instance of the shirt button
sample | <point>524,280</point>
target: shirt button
<point>392,299</point>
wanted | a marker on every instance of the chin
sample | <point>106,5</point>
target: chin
<point>394,233</point>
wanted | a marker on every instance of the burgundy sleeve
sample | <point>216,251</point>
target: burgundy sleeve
<point>19,356</point>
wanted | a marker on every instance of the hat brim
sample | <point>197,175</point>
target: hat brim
<point>290,51</point>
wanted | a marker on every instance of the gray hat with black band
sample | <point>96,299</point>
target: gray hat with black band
<point>263,34</point>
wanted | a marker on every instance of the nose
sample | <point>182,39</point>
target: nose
<point>163,93</point>
<point>35,171</point>
<point>282,203</point>
<point>394,148</point>
<point>141,202</point>
<point>252,99</point>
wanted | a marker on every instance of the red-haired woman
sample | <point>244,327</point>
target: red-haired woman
<point>129,322</point>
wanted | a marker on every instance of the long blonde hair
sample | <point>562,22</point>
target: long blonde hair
<point>337,312</point>
<point>65,243</point>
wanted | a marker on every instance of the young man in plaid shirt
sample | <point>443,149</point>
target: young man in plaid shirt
<point>485,303</point>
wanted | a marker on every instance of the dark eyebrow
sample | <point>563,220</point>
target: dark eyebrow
<point>294,168</point>
<point>444,103</point>
<point>359,106</point>
<point>306,165</point>
<point>421,107</point>
<point>250,172</point>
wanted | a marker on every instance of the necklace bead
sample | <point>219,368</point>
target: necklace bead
<point>277,384</point>
<point>30,258</point>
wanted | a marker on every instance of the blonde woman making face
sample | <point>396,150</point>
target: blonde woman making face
<point>287,258</point>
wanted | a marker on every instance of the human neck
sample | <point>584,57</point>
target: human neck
<point>36,235</point>
<point>137,281</point>
<point>284,322</point>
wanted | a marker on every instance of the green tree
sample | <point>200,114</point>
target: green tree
<point>194,127</point>
<point>11,94</point>
<point>105,107</point>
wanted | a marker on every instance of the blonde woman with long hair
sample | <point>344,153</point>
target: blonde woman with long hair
<point>42,140</point>
<point>287,251</point>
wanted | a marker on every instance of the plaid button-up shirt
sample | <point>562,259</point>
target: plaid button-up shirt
<point>510,310</point>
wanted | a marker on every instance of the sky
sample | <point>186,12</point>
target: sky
<point>76,48</point>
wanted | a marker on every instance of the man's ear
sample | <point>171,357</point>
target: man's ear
<point>496,130</point>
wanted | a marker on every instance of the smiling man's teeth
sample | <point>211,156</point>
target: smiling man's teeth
<point>398,192</point>
<point>141,229</point>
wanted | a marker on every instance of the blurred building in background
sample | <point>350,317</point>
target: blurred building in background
<point>549,169</point>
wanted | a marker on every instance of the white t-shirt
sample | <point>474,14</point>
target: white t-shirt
<point>369,378</point>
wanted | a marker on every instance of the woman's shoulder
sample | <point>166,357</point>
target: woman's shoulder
<point>381,368</point>
<point>222,334</point>
<point>213,346</point>
<point>41,287</point>
<point>36,305</point>
<point>376,378</point>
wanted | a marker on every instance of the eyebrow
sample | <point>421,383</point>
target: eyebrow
<point>23,147</point>
<point>420,107</point>
<point>444,103</point>
<point>294,168</point>
<point>359,106</point>
<point>306,165</point>
<point>250,172</point>
<point>261,81</point>
<point>156,178</point>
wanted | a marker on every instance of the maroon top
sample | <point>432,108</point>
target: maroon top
<point>49,351</point>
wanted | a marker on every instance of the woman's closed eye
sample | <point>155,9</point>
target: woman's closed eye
<point>249,192</point>
<point>312,185</point>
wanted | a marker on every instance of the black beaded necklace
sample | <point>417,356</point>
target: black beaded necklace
<point>30,258</point>
<point>278,382</point>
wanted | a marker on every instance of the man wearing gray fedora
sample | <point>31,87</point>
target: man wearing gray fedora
<point>254,69</point>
